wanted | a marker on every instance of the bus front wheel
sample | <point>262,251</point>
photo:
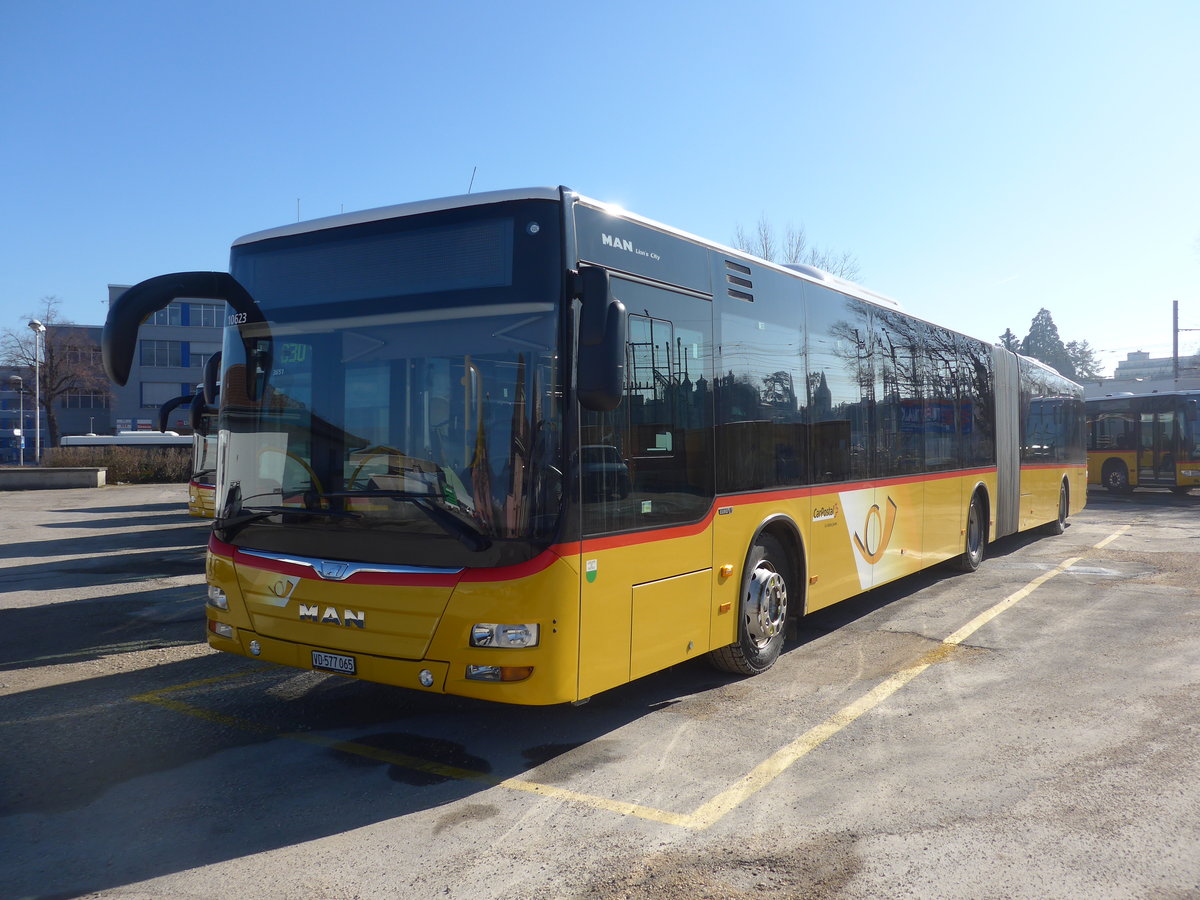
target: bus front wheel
<point>1116,477</point>
<point>762,611</point>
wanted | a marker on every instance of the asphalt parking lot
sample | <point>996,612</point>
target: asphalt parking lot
<point>1030,730</point>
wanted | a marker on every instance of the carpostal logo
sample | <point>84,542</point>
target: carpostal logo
<point>825,513</point>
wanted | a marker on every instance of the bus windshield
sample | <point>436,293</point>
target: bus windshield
<point>409,416</point>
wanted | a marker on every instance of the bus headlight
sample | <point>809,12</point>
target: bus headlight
<point>486,634</point>
<point>217,598</point>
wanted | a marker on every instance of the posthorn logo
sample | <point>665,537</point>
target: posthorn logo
<point>876,533</point>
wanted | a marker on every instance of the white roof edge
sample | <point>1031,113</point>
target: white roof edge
<point>400,209</point>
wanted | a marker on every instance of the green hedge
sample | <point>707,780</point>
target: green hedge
<point>128,465</point>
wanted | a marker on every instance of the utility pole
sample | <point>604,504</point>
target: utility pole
<point>1175,329</point>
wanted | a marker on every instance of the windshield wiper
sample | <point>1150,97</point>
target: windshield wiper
<point>465,532</point>
<point>231,525</point>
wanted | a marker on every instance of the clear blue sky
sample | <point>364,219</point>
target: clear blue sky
<point>981,162</point>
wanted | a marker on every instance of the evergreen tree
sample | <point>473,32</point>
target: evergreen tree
<point>1010,341</point>
<point>1043,343</point>
<point>1083,358</point>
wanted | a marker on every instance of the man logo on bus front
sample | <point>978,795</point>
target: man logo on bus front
<point>877,531</point>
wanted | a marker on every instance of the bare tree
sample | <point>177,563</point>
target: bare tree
<point>70,361</point>
<point>795,249</point>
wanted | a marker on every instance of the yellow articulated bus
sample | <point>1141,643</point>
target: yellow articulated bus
<point>525,447</point>
<point>1146,440</point>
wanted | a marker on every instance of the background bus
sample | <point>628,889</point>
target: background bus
<point>1146,440</point>
<point>202,480</point>
<point>523,447</point>
<point>202,486</point>
<point>143,439</point>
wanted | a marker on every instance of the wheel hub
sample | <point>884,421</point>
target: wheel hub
<point>765,606</point>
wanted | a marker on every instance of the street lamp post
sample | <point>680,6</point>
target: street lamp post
<point>16,383</point>
<point>38,330</point>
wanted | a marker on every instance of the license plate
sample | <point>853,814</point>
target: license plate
<point>332,662</point>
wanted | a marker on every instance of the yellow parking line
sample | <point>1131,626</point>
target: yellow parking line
<point>708,813</point>
<point>1112,537</point>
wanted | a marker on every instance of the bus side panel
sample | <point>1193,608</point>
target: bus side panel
<point>945,499</point>
<point>833,573</point>
<point>670,621</point>
<point>1039,495</point>
<point>738,520</point>
<point>1077,479</point>
<point>612,624</point>
<point>898,512</point>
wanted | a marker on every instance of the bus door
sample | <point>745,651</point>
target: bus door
<point>1159,444</point>
<point>645,473</point>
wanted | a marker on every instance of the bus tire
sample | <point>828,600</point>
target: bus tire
<point>1181,489</point>
<point>1115,477</point>
<point>1059,525</point>
<point>976,537</point>
<point>762,610</point>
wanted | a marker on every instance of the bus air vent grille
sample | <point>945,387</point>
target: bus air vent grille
<point>741,280</point>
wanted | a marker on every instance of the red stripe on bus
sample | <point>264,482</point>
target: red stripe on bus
<point>548,557</point>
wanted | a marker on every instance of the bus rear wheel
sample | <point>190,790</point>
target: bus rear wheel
<point>762,611</point>
<point>1115,477</point>
<point>976,538</point>
<point>1059,525</point>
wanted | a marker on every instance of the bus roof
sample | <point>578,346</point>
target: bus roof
<point>400,209</point>
<point>546,193</point>
<point>809,273</point>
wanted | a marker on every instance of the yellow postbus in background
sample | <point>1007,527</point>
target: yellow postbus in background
<point>202,486</point>
<point>525,447</point>
<point>1144,440</point>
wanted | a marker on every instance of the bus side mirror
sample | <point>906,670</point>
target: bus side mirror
<point>119,339</point>
<point>199,417</point>
<point>211,368</point>
<point>164,411</point>
<point>600,368</point>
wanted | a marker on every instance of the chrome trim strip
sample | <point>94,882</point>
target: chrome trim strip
<point>338,570</point>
